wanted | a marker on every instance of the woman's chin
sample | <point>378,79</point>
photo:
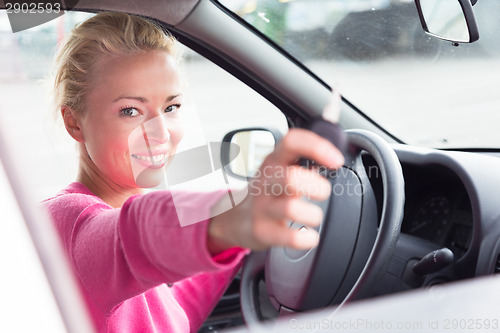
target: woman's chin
<point>150,177</point>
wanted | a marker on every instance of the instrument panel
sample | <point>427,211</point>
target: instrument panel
<point>438,209</point>
<point>441,217</point>
<point>437,205</point>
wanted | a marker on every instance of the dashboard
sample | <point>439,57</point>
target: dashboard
<point>452,200</point>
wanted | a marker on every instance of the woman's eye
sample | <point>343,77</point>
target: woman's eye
<point>130,112</point>
<point>173,108</point>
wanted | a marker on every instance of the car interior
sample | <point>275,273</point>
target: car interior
<point>406,215</point>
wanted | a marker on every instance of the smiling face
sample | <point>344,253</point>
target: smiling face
<point>131,123</point>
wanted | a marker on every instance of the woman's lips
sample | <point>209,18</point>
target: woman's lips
<point>154,160</point>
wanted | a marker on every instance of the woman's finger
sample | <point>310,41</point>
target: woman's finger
<point>303,143</point>
<point>280,234</point>
<point>307,183</point>
<point>294,209</point>
<point>292,181</point>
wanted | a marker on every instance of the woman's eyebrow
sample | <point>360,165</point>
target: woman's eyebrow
<point>145,100</point>
<point>170,98</point>
<point>140,99</point>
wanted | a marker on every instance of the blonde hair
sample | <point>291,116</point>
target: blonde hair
<point>104,35</point>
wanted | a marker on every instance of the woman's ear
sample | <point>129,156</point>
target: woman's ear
<point>72,123</point>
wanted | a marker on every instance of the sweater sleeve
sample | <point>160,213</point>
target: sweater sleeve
<point>199,294</point>
<point>120,253</point>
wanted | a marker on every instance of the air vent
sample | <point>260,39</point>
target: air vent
<point>497,265</point>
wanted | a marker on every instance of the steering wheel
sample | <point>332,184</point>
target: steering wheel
<point>354,248</point>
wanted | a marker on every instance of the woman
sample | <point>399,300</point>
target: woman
<point>120,96</point>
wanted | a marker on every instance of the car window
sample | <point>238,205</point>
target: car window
<point>217,102</point>
<point>421,89</point>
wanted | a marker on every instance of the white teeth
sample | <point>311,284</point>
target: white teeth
<point>154,159</point>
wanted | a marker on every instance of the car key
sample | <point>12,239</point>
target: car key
<point>327,126</point>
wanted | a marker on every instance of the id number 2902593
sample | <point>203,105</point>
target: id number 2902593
<point>33,7</point>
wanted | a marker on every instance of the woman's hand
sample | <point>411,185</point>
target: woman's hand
<point>276,195</point>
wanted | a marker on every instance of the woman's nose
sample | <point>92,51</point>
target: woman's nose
<point>156,131</point>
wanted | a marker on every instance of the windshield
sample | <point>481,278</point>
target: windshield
<point>423,90</point>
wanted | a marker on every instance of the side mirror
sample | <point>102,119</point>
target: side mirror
<point>451,20</point>
<point>247,149</point>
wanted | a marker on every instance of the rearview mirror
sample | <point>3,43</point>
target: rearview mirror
<point>253,145</point>
<point>451,20</point>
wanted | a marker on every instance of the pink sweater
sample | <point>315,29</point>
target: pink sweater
<point>125,257</point>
